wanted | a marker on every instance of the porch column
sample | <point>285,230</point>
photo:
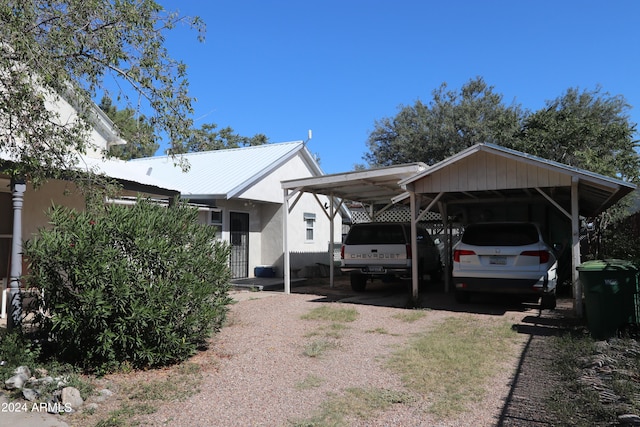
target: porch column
<point>15,302</point>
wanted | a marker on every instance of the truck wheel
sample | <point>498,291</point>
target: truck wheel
<point>358,282</point>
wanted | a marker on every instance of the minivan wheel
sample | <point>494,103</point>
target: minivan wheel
<point>358,282</point>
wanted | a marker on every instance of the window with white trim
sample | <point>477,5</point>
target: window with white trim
<point>309,220</point>
<point>215,219</point>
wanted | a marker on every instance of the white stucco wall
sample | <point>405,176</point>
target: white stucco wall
<point>101,133</point>
<point>269,189</point>
<point>263,202</point>
<point>38,201</point>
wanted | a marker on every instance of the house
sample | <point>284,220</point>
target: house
<point>239,191</point>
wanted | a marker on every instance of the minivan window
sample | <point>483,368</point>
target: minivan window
<point>500,235</point>
<point>376,234</point>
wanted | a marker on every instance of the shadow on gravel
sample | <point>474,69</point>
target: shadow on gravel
<point>534,378</point>
<point>397,294</point>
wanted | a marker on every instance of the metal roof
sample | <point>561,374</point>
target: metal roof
<point>221,173</point>
<point>371,186</point>
<point>133,176</point>
<point>389,184</point>
<point>595,192</point>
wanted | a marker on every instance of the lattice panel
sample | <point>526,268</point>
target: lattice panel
<point>393,215</point>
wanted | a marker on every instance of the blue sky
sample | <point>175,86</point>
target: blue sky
<point>336,66</point>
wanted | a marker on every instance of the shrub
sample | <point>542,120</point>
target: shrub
<point>622,239</point>
<point>142,285</point>
<point>16,350</point>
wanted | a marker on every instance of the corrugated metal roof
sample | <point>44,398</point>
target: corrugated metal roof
<point>221,173</point>
<point>117,169</point>
<point>126,171</point>
<point>378,185</point>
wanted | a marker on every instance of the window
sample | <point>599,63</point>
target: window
<point>216,220</point>
<point>501,234</point>
<point>309,219</point>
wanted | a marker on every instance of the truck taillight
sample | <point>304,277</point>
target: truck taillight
<point>543,255</point>
<point>342,252</point>
<point>408,250</point>
<point>461,252</point>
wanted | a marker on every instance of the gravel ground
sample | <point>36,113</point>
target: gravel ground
<point>252,372</point>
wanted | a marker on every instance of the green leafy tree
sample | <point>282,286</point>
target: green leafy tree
<point>208,138</point>
<point>451,122</point>
<point>588,129</point>
<point>134,129</point>
<point>142,284</point>
<point>75,50</point>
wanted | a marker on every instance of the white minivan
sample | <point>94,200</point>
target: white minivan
<point>505,258</point>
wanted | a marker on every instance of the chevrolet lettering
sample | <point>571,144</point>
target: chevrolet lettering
<point>383,250</point>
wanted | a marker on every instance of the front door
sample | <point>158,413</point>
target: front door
<point>239,230</point>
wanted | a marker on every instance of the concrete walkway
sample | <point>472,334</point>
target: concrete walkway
<point>21,414</point>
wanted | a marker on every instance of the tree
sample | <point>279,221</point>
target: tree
<point>71,50</point>
<point>587,129</point>
<point>134,129</point>
<point>451,122</point>
<point>208,138</point>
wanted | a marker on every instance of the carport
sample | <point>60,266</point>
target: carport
<point>479,177</point>
<point>372,187</point>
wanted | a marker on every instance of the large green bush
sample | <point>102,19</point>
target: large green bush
<point>143,285</point>
<point>622,240</point>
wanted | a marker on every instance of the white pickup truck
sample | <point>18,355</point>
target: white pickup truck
<point>383,250</point>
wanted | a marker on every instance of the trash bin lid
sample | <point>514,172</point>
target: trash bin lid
<point>607,265</point>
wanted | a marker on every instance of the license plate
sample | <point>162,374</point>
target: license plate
<point>498,260</point>
<point>375,269</point>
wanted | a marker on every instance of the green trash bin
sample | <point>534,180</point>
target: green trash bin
<point>611,295</point>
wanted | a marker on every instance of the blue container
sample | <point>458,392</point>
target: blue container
<point>264,271</point>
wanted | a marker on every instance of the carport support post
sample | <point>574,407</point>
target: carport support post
<point>447,245</point>
<point>285,242</point>
<point>575,247</point>
<point>414,248</point>
<point>331,242</point>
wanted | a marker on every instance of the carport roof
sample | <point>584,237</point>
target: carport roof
<point>371,186</point>
<point>483,173</point>
<point>491,173</point>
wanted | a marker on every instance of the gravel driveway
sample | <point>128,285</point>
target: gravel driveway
<point>253,373</point>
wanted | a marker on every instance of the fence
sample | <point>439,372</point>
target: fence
<point>314,264</point>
